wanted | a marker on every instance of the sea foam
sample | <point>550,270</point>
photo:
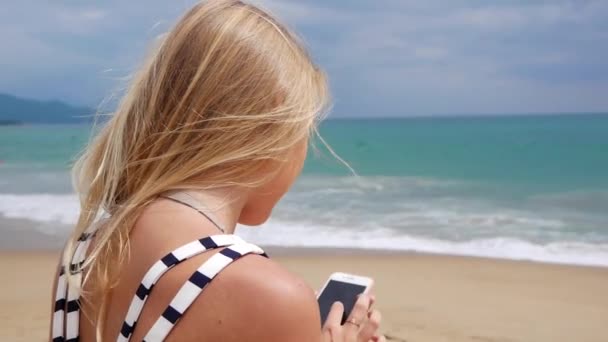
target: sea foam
<point>59,208</point>
<point>289,234</point>
<point>59,211</point>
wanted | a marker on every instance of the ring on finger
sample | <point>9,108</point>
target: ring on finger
<point>353,322</point>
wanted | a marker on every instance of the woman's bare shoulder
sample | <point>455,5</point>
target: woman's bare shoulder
<point>254,299</point>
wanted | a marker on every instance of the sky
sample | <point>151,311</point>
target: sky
<point>383,57</point>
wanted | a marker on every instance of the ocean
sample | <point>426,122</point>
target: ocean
<point>514,187</point>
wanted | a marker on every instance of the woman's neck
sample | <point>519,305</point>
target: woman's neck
<point>223,206</point>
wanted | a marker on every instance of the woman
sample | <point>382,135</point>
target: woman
<point>212,132</point>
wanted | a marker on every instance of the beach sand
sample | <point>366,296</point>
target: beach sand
<point>422,297</point>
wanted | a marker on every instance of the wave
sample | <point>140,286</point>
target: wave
<point>57,208</point>
<point>372,183</point>
<point>287,234</point>
<point>58,212</point>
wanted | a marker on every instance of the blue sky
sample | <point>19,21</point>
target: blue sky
<point>384,57</point>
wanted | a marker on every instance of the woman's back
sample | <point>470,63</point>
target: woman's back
<point>221,113</point>
<point>223,305</point>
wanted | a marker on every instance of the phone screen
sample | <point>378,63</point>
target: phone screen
<point>338,291</point>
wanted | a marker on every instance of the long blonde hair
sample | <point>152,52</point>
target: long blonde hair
<point>228,89</point>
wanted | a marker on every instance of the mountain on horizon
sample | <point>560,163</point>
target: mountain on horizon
<point>19,110</point>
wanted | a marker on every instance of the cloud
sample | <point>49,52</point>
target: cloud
<point>427,59</point>
<point>93,14</point>
<point>302,13</point>
<point>385,57</point>
<point>81,21</point>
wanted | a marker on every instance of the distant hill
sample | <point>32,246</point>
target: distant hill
<point>17,110</point>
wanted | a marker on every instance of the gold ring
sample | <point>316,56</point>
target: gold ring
<point>353,322</point>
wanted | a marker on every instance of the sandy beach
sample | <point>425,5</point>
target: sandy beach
<point>422,297</point>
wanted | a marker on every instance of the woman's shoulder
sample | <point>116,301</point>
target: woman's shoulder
<point>254,299</point>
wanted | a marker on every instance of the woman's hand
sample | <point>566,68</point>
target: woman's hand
<point>361,326</point>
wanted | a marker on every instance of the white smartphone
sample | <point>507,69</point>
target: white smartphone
<point>345,288</point>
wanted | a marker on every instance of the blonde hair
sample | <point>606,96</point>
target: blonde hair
<point>228,90</point>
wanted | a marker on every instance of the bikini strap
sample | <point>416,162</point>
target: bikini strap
<point>195,286</point>
<point>161,267</point>
<point>67,296</point>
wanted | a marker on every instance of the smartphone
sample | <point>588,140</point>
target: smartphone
<point>345,288</point>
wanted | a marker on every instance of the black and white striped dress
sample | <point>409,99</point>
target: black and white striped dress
<point>66,316</point>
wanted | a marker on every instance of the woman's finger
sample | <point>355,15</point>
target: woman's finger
<point>360,309</point>
<point>378,338</point>
<point>357,317</point>
<point>332,328</point>
<point>326,336</point>
<point>372,300</point>
<point>371,326</point>
<point>334,318</point>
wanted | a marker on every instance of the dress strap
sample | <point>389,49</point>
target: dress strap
<point>161,267</point>
<point>195,286</point>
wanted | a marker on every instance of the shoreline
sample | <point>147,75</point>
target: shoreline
<point>18,235</point>
<point>314,252</point>
<point>348,251</point>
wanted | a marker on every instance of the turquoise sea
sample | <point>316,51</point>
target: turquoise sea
<point>517,187</point>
